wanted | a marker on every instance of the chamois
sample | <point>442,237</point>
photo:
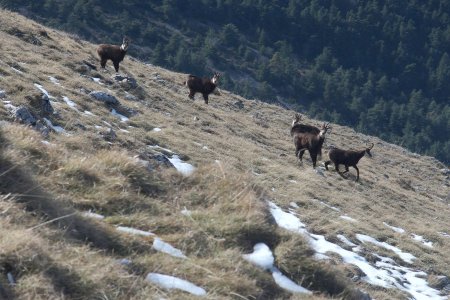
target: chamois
<point>307,137</point>
<point>205,86</point>
<point>113,52</point>
<point>348,158</point>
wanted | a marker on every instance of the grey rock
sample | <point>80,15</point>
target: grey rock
<point>104,97</point>
<point>154,160</point>
<point>440,282</point>
<point>2,94</point>
<point>23,115</point>
<point>239,104</point>
<point>44,130</point>
<point>130,81</point>
<point>109,135</point>
<point>130,97</point>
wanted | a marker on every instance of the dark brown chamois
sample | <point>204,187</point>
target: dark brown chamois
<point>348,158</point>
<point>205,86</point>
<point>307,137</point>
<point>113,52</point>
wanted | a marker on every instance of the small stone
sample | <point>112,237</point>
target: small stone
<point>239,104</point>
<point>105,97</point>
<point>23,115</point>
<point>44,130</point>
<point>2,94</point>
<point>109,135</point>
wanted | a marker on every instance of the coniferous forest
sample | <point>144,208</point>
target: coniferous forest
<point>382,67</point>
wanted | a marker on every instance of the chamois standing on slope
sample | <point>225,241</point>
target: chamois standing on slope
<point>348,158</point>
<point>113,52</point>
<point>205,86</point>
<point>307,137</point>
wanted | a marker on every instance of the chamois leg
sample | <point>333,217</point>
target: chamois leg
<point>300,154</point>
<point>116,66</point>
<point>336,166</point>
<point>346,169</point>
<point>103,63</point>
<point>205,96</point>
<point>327,163</point>
<point>357,172</point>
<point>313,158</point>
<point>191,94</point>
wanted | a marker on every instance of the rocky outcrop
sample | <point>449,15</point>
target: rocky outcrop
<point>104,97</point>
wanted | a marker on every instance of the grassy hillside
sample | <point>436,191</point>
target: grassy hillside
<point>73,195</point>
<point>379,66</point>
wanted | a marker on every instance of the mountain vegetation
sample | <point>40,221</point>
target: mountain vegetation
<point>379,66</point>
<point>118,186</point>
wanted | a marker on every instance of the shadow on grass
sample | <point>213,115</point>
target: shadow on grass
<point>16,180</point>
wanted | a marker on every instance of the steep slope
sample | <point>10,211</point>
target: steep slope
<point>86,211</point>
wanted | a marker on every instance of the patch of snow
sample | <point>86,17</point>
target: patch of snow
<point>125,261</point>
<point>205,148</point>
<point>57,129</point>
<point>385,273</point>
<point>88,113</point>
<point>97,80</point>
<point>407,257</point>
<point>160,245</point>
<point>17,70</point>
<point>106,123</point>
<point>320,256</point>
<point>171,282</point>
<point>345,240</point>
<point>156,129</point>
<point>421,239</point>
<point>350,219</point>
<point>122,118</point>
<point>327,205</point>
<point>70,103</point>
<point>46,143</point>
<point>10,107</point>
<point>287,220</point>
<point>444,234</point>
<point>11,278</point>
<point>186,212</point>
<point>134,231</point>
<point>39,87</point>
<point>160,148</point>
<point>293,181</point>
<point>396,229</point>
<point>182,167</point>
<point>262,257</point>
<point>54,80</point>
<point>124,130</point>
<point>92,215</point>
<point>287,284</point>
<point>294,205</point>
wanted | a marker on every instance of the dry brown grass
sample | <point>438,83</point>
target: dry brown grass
<point>76,258</point>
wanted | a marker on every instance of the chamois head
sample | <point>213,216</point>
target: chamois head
<point>215,78</point>
<point>125,43</point>
<point>325,127</point>
<point>297,119</point>
<point>367,151</point>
